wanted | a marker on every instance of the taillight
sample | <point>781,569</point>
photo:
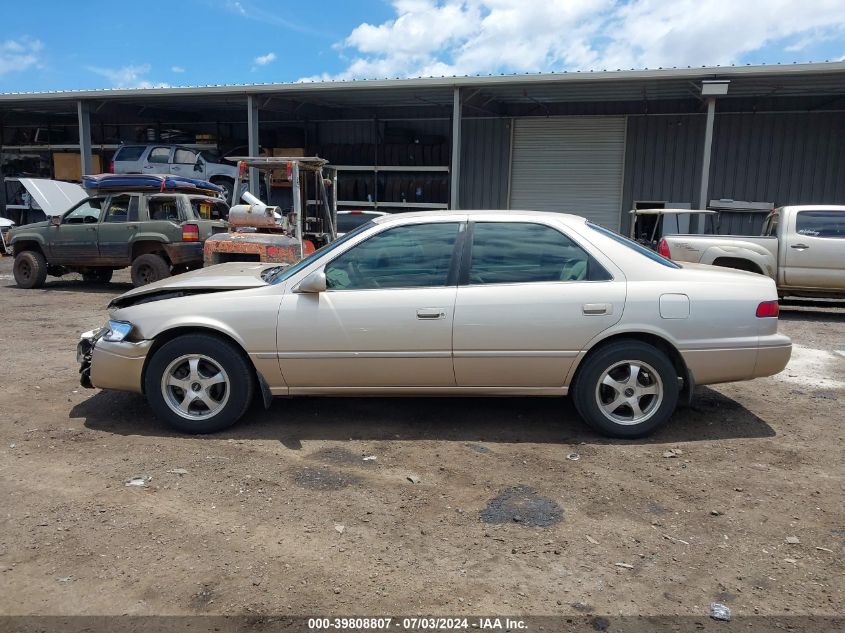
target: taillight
<point>768,309</point>
<point>190,233</point>
<point>111,166</point>
<point>663,248</point>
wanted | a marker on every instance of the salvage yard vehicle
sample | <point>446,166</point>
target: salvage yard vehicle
<point>155,224</point>
<point>159,158</point>
<point>443,303</point>
<point>649,225</point>
<point>262,233</point>
<point>801,247</point>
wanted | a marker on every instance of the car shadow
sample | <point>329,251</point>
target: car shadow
<point>713,416</point>
<point>814,312</point>
<point>78,285</point>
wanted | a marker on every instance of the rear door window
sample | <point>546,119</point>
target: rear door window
<point>823,223</point>
<point>184,156</point>
<point>164,209</point>
<point>159,155</point>
<point>122,208</point>
<point>522,252</point>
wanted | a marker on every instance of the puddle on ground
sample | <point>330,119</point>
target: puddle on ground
<point>522,504</point>
<point>340,456</point>
<point>323,479</point>
<point>478,448</point>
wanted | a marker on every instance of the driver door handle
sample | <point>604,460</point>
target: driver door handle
<point>800,247</point>
<point>430,314</point>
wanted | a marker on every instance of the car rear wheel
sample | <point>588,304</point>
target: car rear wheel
<point>30,269</point>
<point>199,383</point>
<point>627,389</point>
<point>149,268</point>
<point>102,276</point>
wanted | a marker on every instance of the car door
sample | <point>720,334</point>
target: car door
<point>187,162</point>
<point>158,160</point>
<point>815,249</point>
<point>118,226</point>
<point>385,319</point>
<point>530,299</point>
<point>74,240</point>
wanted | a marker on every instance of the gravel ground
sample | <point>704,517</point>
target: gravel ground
<point>312,507</point>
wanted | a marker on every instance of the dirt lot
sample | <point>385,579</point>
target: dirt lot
<point>283,515</point>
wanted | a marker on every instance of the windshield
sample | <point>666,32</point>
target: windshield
<point>639,248</point>
<point>278,274</point>
<point>348,221</point>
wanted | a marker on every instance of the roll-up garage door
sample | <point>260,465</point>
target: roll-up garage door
<point>571,165</point>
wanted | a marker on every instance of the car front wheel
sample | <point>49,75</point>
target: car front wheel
<point>199,383</point>
<point>30,269</point>
<point>627,389</point>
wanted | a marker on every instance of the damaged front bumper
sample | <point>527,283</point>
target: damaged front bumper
<point>111,365</point>
<point>84,353</point>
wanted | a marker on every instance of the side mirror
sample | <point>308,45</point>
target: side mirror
<point>313,283</point>
<point>55,220</point>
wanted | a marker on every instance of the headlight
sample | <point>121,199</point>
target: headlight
<point>116,331</point>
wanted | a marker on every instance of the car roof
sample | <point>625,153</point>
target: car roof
<point>480,215</point>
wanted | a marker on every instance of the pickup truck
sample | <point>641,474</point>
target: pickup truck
<point>155,224</point>
<point>801,247</point>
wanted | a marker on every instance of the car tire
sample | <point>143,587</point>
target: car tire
<point>195,360</point>
<point>102,276</point>
<point>30,269</point>
<point>626,389</point>
<point>149,268</point>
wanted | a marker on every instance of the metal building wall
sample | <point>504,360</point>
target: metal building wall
<point>783,158</point>
<point>662,160</point>
<point>790,158</point>
<point>485,158</point>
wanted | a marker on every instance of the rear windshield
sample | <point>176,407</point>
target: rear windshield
<point>639,248</point>
<point>129,152</point>
<point>210,209</point>
<point>348,221</point>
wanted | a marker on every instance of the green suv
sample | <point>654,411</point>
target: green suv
<point>156,233</point>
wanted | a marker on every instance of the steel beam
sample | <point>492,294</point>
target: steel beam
<point>454,187</point>
<point>83,113</point>
<point>705,162</point>
<point>252,139</point>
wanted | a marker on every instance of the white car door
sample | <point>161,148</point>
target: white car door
<point>385,319</point>
<point>815,252</point>
<point>530,299</point>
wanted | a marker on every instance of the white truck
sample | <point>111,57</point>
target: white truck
<point>801,247</point>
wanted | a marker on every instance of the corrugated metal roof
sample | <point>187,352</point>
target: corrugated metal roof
<point>434,86</point>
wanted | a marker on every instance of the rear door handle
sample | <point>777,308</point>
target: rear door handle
<point>596,308</point>
<point>800,247</point>
<point>431,313</point>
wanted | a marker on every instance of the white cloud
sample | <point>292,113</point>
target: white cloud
<point>263,60</point>
<point>446,37</point>
<point>19,54</point>
<point>177,69</point>
<point>131,76</point>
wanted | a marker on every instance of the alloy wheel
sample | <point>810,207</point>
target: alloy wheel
<point>195,386</point>
<point>629,392</point>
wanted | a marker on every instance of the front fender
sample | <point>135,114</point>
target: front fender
<point>20,237</point>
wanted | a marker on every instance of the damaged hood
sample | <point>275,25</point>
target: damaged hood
<point>231,276</point>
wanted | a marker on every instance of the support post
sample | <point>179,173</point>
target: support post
<point>84,116</point>
<point>252,139</point>
<point>705,163</point>
<point>454,186</point>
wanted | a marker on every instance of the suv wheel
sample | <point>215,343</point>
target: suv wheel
<point>99,276</point>
<point>30,269</point>
<point>199,383</point>
<point>627,389</point>
<point>149,268</point>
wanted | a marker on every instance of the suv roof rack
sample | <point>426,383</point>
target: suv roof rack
<point>149,183</point>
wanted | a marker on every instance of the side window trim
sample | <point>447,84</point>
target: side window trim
<point>454,264</point>
<point>463,279</point>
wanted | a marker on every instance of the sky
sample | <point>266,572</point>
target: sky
<point>60,45</point>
